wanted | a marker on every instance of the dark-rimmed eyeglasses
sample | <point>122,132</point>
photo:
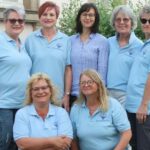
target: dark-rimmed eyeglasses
<point>43,88</point>
<point>144,21</point>
<point>88,82</point>
<point>13,21</point>
<point>90,15</point>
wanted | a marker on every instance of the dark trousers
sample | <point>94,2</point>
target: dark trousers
<point>140,133</point>
<point>6,129</point>
<point>72,100</point>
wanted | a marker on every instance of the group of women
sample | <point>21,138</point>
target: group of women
<point>77,68</point>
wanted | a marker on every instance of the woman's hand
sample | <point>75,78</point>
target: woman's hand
<point>61,143</point>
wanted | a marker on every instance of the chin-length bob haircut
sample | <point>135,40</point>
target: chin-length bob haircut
<point>35,78</point>
<point>50,5</point>
<point>102,92</point>
<point>125,10</point>
<point>85,8</point>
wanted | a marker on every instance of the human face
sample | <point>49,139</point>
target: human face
<point>40,92</point>
<point>87,18</point>
<point>49,18</point>
<point>122,23</point>
<point>13,29</point>
<point>88,86</point>
<point>146,25</point>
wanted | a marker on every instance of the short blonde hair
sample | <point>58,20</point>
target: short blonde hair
<point>35,78</point>
<point>102,92</point>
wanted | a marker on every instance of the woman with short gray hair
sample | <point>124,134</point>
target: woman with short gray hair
<point>124,47</point>
<point>138,90</point>
<point>14,72</point>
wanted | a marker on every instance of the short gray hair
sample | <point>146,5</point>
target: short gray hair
<point>126,10</point>
<point>16,9</point>
<point>145,9</point>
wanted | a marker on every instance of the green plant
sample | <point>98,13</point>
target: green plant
<point>67,19</point>
<point>69,12</point>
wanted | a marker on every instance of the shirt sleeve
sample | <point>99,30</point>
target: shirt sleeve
<point>120,119</point>
<point>20,128</point>
<point>64,123</point>
<point>68,52</point>
<point>103,60</point>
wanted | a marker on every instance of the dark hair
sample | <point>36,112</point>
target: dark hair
<point>86,7</point>
<point>43,7</point>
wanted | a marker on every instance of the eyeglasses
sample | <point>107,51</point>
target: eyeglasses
<point>43,88</point>
<point>85,15</point>
<point>13,21</point>
<point>125,20</point>
<point>88,82</point>
<point>144,21</point>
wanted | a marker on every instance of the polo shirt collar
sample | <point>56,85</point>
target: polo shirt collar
<point>131,38</point>
<point>51,111</point>
<point>8,38</point>
<point>147,41</point>
<point>58,34</point>
<point>83,105</point>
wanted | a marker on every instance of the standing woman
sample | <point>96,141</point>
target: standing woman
<point>15,66</point>
<point>49,50</point>
<point>89,48</point>
<point>124,47</point>
<point>138,90</point>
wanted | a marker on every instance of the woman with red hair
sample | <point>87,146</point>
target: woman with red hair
<point>49,50</point>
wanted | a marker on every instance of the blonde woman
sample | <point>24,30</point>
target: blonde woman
<point>42,125</point>
<point>99,122</point>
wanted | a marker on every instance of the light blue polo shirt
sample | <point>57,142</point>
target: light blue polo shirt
<point>15,65</point>
<point>29,124</point>
<point>138,77</point>
<point>120,61</point>
<point>102,130</point>
<point>50,57</point>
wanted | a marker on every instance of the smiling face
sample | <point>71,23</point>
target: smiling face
<point>87,18</point>
<point>87,86</point>
<point>146,23</point>
<point>40,92</point>
<point>13,29</point>
<point>49,18</point>
<point>122,23</point>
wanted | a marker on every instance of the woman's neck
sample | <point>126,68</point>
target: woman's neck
<point>123,39</point>
<point>85,34</point>
<point>147,36</point>
<point>42,110</point>
<point>92,100</point>
<point>49,33</point>
<point>92,104</point>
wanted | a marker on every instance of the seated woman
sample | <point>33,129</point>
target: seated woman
<point>99,122</point>
<point>41,125</point>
